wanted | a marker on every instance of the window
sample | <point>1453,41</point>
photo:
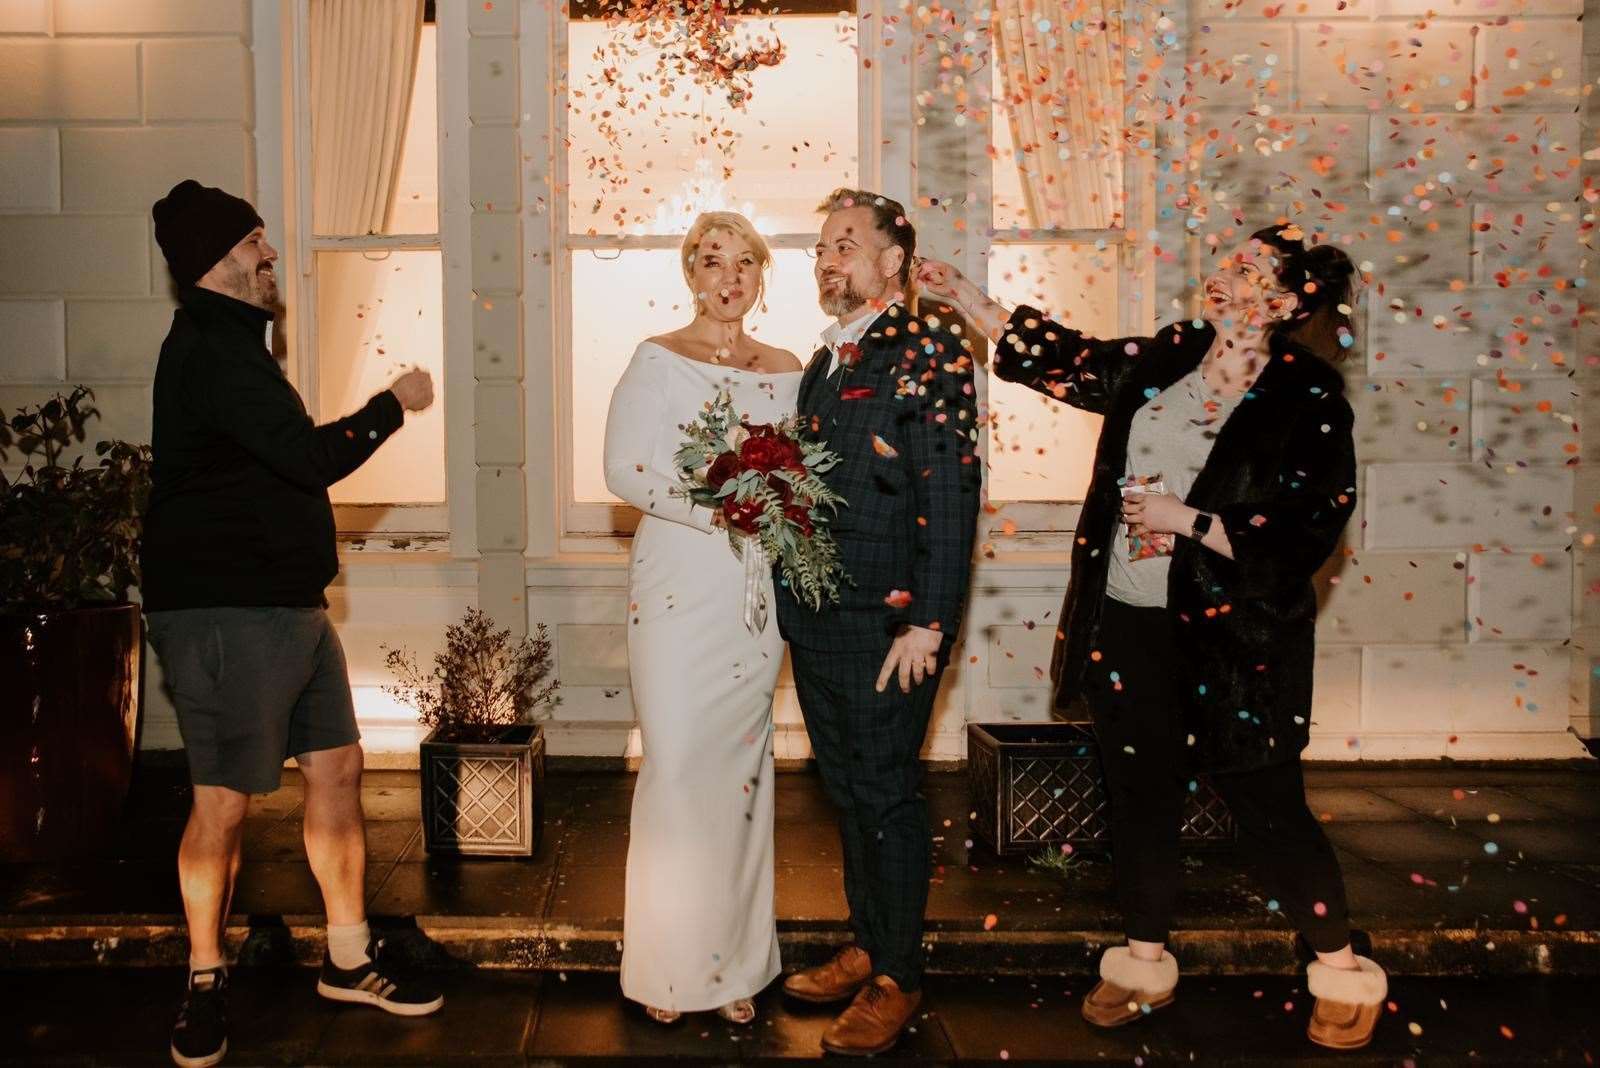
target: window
<point>365,274</point>
<point>647,151</point>
<point>1053,212</point>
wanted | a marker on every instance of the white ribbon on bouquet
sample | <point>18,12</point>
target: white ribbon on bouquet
<point>756,570</point>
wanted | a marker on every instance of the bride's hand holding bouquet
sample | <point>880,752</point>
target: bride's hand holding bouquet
<point>764,483</point>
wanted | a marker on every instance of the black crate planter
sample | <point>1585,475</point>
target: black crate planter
<point>484,799</point>
<point>1039,784</point>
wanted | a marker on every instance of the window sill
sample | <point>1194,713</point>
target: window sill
<point>1004,571</point>
<point>392,541</point>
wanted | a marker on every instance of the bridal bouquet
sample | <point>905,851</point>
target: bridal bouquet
<point>766,479</point>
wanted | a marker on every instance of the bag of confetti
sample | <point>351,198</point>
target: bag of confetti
<point>1148,545</point>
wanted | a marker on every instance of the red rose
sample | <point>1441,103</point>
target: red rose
<point>849,354</point>
<point>766,453</point>
<point>800,517</point>
<point>743,515</point>
<point>724,467</point>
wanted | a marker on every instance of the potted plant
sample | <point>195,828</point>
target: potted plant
<point>1039,784</point>
<point>483,757</point>
<point>71,642</point>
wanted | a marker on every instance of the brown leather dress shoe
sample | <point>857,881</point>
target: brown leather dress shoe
<point>836,980</point>
<point>874,1020</point>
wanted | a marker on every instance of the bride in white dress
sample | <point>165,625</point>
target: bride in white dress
<point>699,930</point>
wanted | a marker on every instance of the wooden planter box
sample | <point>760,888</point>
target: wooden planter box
<point>484,798</point>
<point>1039,784</point>
<point>70,686</point>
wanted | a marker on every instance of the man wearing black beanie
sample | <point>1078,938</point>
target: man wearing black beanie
<point>238,549</point>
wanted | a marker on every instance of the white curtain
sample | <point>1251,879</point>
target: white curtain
<point>1061,78</point>
<point>363,64</point>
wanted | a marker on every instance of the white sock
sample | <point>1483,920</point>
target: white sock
<point>198,965</point>
<point>347,944</point>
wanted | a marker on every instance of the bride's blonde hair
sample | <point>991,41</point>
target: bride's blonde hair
<point>734,223</point>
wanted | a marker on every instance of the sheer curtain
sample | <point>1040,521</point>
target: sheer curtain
<point>363,65</point>
<point>1060,64</point>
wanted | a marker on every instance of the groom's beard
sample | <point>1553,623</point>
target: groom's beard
<point>841,302</point>
<point>258,287</point>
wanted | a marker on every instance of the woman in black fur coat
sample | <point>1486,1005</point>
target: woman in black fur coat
<point>1224,475</point>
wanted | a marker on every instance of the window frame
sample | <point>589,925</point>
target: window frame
<point>425,526</point>
<point>884,152</point>
<point>1048,525</point>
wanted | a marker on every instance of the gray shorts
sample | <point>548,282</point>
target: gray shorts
<point>252,687</point>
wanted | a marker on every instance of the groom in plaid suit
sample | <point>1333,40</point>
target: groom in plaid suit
<point>892,393</point>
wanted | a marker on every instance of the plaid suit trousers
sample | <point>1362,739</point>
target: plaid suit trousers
<point>867,745</point>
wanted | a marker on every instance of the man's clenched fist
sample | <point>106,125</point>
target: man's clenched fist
<point>414,390</point>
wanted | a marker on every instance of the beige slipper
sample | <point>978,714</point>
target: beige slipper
<point>1349,1002</point>
<point>1130,988</point>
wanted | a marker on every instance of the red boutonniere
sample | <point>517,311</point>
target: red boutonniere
<point>849,355</point>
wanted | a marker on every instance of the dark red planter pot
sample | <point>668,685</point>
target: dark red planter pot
<point>69,719</point>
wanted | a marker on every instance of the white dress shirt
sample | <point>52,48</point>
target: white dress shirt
<point>838,334</point>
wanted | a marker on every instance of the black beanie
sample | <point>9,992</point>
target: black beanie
<point>197,225</point>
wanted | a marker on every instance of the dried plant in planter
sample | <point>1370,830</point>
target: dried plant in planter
<point>482,681</point>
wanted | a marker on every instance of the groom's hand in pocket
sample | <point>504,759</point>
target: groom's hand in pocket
<point>914,656</point>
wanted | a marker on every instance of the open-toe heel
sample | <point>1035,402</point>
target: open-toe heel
<point>742,1011</point>
<point>662,1016</point>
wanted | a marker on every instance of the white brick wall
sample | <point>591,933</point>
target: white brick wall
<point>30,169</point>
<point>1441,144</point>
<point>43,80</point>
<point>41,354</point>
<point>103,108</point>
<point>1446,506</point>
<point>97,17</point>
<point>126,169</point>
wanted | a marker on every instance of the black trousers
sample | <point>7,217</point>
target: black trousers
<point>1134,701</point>
<point>867,745</point>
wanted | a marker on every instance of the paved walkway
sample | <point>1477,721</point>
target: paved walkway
<point>1451,870</point>
<point>1479,887</point>
<point>123,1016</point>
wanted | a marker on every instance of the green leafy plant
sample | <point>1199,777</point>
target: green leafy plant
<point>69,532</point>
<point>1063,862</point>
<point>483,682</point>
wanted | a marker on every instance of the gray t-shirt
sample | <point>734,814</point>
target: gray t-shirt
<point>1170,439</point>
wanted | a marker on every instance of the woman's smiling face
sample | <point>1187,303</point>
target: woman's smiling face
<point>725,275</point>
<point>1244,291</point>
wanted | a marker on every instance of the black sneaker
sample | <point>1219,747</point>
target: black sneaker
<point>200,1037</point>
<point>380,981</point>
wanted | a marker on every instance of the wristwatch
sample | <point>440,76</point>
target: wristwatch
<point>1202,525</point>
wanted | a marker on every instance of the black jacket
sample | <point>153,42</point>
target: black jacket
<point>239,513</point>
<point>1280,477</point>
<point>904,422</point>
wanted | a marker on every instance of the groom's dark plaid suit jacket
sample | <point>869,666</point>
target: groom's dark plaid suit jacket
<point>904,422</point>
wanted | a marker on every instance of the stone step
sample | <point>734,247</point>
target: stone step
<point>493,942</point>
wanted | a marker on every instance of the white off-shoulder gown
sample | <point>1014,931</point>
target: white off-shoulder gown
<point>699,928</point>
